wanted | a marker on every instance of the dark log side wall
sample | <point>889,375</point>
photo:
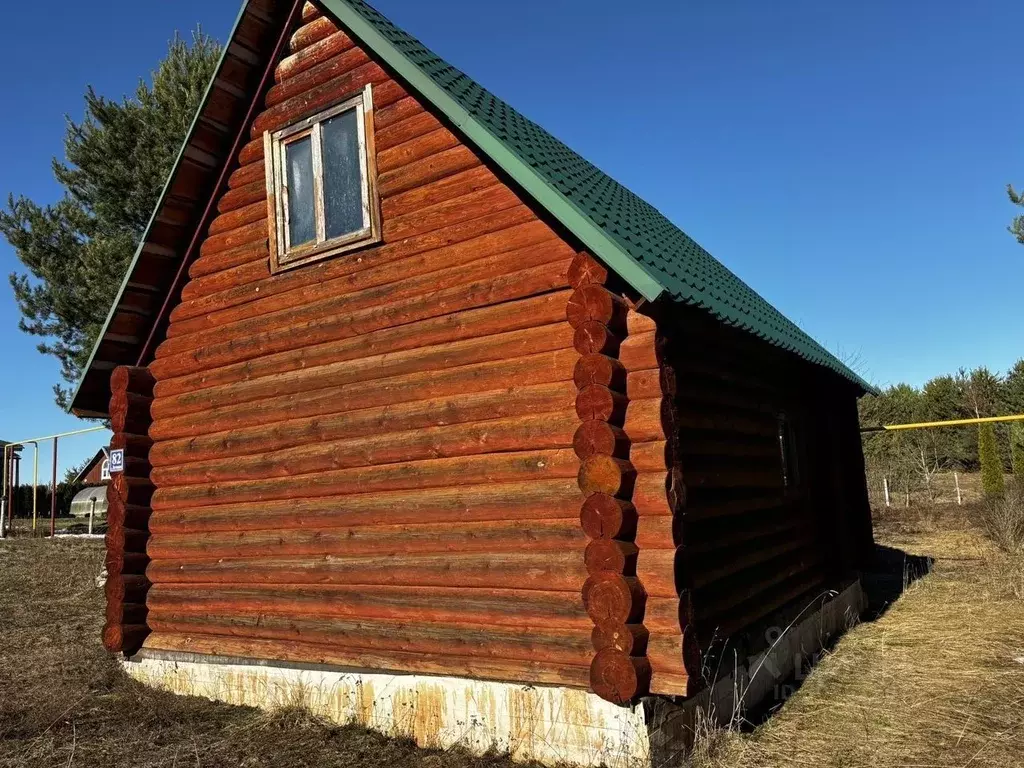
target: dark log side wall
<point>369,460</point>
<point>749,542</point>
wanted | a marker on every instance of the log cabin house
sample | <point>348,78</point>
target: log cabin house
<point>407,385</point>
<point>96,471</point>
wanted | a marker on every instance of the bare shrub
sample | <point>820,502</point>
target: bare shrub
<point>1003,520</point>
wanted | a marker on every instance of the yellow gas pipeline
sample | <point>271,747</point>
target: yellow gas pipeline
<point>951,423</point>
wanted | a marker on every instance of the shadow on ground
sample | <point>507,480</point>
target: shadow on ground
<point>888,574</point>
<point>885,577</point>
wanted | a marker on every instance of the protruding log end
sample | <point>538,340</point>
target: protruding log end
<point>597,403</point>
<point>655,456</point>
<point>119,561</point>
<point>133,491</point>
<point>594,438</point>
<point>126,613</point>
<point>594,302</point>
<point>650,419</point>
<point>130,413</point>
<point>136,446</point>
<point>310,12</point>
<point>641,352</point>
<point>630,639</point>
<point>586,270</point>
<point>612,597</point>
<point>611,555</point>
<point>125,539</point>
<point>594,338</point>
<point>619,678</point>
<point>127,589</point>
<point>124,638</point>
<point>599,369</point>
<point>637,323</point>
<point>128,378</point>
<point>605,517</point>
<point>125,515</point>
<point>607,475</point>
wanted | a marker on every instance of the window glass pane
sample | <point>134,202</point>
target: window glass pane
<point>301,211</point>
<point>343,175</point>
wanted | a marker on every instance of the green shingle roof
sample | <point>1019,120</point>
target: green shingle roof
<point>630,235</point>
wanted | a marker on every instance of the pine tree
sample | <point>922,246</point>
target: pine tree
<point>1017,223</point>
<point>118,159</point>
<point>992,481</point>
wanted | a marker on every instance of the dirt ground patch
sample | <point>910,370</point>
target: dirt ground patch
<point>65,702</point>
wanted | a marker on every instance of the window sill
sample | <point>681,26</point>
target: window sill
<point>301,256</point>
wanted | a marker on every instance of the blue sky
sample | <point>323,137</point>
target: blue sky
<point>846,159</point>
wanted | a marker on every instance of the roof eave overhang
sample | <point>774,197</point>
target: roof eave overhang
<point>126,331</point>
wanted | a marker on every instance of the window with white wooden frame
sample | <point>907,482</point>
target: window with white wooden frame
<point>321,184</point>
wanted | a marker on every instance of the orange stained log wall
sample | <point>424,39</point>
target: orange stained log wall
<point>369,460</point>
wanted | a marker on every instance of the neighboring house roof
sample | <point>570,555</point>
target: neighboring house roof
<point>643,247</point>
<point>101,454</point>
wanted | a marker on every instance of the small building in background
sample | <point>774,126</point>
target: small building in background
<point>97,471</point>
<point>92,500</point>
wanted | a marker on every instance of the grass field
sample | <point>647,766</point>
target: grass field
<point>936,680</point>
<point>64,701</point>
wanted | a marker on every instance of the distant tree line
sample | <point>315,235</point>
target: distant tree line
<point>910,458</point>
<point>22,499</point>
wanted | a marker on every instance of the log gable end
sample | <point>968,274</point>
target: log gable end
<point>372,453</point>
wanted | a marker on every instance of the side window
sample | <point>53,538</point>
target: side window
<point>788,452</point>
<point>321,184</point>
<point>105,470</point>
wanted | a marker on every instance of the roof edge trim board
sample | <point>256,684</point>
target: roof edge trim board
<point>160,201</point>
<point>578,223</point>
<point>222,180</point>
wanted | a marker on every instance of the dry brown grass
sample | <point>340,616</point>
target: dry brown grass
<point>937,680</point>
<point>65,702</point>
